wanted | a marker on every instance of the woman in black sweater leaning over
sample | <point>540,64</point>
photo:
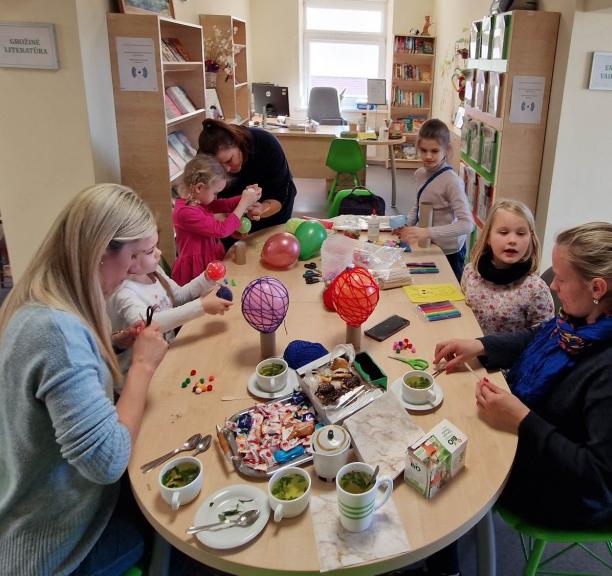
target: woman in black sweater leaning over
<point>252,156</point>
<point>560,403</point>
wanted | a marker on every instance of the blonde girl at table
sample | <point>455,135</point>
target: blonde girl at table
<point>64,445</point>
<point>438,184</point>
<point>501,284</point>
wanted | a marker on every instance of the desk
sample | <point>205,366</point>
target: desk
<point>306,153</point>
<point>229,348</point>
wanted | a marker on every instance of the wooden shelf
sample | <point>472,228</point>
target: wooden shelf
<point>185,117</point>
<point>181,66</point>
<point>414,84</point>
<point>490,120</point>
<point>424,110</point>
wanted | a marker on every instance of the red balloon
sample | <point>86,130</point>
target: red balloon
<point>355,295</point>
<point>280,251</point>
<point>215,270</point>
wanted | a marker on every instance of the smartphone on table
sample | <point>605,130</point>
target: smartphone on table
<point>387,328</point>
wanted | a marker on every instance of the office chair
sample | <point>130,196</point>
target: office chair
<point>324,106</point>
<point>534,539</point>
<point>548,276</point>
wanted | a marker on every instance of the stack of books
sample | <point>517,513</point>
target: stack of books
<point>180,151</point>
<point>173,51</point>
<point>177,102</point>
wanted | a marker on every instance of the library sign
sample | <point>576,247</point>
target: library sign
<point>27,45</point>
<point>601,71</point>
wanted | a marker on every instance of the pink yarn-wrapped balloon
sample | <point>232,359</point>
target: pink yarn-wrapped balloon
<point>264,303</point>
<point>354,295</point>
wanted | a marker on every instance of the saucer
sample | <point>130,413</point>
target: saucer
<point>292,382</point>
<point>396,388</point>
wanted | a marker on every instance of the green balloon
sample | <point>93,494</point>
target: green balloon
<point>292,224</point>
<point>310,235</point>
<point>245,225</point>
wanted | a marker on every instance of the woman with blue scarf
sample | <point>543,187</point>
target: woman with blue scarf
<point>560,403</point>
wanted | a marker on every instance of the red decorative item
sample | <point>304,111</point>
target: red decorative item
<point>215,271</point>
<point>355,295</point>
<point>328,300</point>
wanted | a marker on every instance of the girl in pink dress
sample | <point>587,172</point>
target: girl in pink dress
<point>501,284</point>
<point>201,219</point>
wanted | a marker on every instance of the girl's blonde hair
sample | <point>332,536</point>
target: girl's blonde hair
<point>64,274</point>
<point>518,209</point>
<point>200,169</point>
<point>589,250</point>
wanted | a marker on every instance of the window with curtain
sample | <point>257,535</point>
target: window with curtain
<point>344,45</point>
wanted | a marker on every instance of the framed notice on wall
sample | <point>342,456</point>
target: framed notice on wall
<point>28,45</point>
<point>601,71</point>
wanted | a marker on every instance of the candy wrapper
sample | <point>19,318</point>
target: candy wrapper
<point>334,387</point>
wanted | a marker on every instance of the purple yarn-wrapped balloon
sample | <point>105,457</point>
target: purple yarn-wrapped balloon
<point>264,303</point>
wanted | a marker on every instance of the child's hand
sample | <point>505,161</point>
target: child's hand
<point>149,347</point>
<point>255,211</point>
<point>251,194</point>
<point>125,338</point>
<point>414,234</point>
<point>214,305</point>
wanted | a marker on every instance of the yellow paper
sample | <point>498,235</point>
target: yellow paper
<point>366,136</point>
<point>426,293</point>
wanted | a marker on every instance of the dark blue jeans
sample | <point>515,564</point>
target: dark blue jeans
<point>457,262</point>
<point>123,542</point>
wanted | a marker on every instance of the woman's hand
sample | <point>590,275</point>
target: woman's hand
<point>215,305</point>
<point>414,234</point>
<point>456,352</point>
<point>498,408</point>
<point>124,339</point>
<point>149,347</point>
<point>251,194</point>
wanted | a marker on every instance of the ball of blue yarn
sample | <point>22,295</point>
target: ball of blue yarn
<point>225,293</point>
<point>300,352</point>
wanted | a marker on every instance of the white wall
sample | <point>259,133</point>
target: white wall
<point>581,187</point>
<point>408,14</point>
<point>45,152</point>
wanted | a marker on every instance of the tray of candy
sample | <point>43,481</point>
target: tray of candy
<point>270,436</point>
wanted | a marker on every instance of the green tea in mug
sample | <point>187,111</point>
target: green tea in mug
<point>180,475</point>
<point>417,382</point>
<point>290,487</point>
<point>356,482</point>
<point>271,370</point>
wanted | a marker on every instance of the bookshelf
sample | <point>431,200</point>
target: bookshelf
<point>500,157</point>
<point>411,91</point>
<point>144,126</point>
<point>233,92</point>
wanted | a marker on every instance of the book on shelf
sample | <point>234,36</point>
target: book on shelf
<point>177,49</point>
<point>413,45</point>
<point>184,151</point>
<point>168,54</point>
<point>176,157</point>
<point>171,108</point>
<point>186,142</point>
<point>180,98</point>
<point>174,169</point>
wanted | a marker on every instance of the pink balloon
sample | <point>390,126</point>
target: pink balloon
<point>280,251</point>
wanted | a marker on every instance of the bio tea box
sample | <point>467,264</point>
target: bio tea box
<point>435,458</point>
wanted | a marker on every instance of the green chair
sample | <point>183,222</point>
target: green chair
<point>335,206</point>
<point>133,571</point>
<point>345,156</point>
<point>534,539</point>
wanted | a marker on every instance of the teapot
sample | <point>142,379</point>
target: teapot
<point>330,450</point>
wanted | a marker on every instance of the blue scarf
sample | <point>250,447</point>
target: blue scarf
<point>553,352</point>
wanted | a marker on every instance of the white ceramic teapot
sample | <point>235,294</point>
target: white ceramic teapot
<point>330,450</point>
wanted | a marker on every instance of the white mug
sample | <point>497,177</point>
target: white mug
<point>178,496</point>
<point>418,395</point>
<point>271,383</point>
<point>357,510</point>
<point>288,508</point>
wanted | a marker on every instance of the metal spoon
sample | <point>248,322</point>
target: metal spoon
<point>203,444</point>
<point>372,480</point>
<point>245,519</point>
<point>190,444</point>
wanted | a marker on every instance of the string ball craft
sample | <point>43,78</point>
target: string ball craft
<point>265,302</point>
<point>354,295</point>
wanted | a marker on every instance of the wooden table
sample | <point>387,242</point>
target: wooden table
<point>228,348</point>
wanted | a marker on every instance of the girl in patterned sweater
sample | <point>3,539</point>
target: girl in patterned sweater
<point>500,283</point>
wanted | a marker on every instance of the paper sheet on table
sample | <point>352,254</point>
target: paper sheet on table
<point>338,547</point>
<point>427,293</point>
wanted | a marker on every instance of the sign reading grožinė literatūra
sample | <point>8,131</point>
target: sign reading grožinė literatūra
<point>601,71</point>
<point>28,45</point>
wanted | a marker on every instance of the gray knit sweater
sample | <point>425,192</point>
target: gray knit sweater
<point>62,448</point>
